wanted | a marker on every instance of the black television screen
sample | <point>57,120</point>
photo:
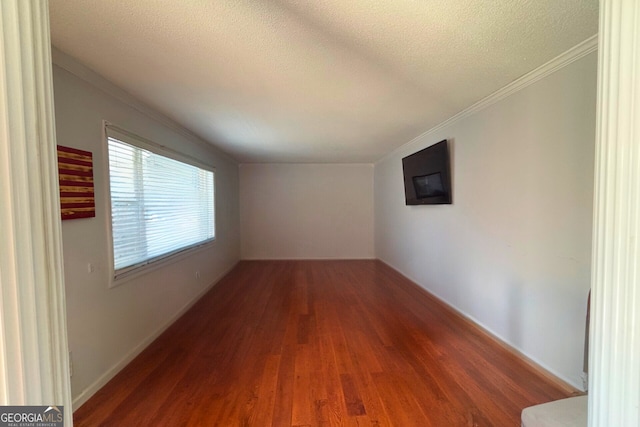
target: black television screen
<point>427,178</point>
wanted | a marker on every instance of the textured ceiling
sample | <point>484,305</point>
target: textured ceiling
<point>315,81</point>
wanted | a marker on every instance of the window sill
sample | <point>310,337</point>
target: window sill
<point>155,265</point>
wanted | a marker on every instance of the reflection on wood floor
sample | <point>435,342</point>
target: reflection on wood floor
<point>320,343</point>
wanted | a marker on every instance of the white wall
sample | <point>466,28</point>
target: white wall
<point>513,251</point>
<point>306,211</point>
<point>107,326</point>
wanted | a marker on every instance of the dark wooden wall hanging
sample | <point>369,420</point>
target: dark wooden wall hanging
<point>75,171</point>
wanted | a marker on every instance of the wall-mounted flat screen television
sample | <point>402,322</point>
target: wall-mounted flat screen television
<point>427,177</point>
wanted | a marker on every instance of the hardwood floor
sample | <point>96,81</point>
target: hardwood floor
<point>320,343</point>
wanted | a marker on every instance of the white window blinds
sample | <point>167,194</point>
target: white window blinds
<point>159,205</point>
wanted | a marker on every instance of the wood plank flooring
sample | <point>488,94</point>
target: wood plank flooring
<point>320,343</point>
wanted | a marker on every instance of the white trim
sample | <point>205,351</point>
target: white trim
<point>163,261</point>
<point>34,368</point>
<point>86,394</point>
<point>116,132</point>
<point>124,275</point>
<point>557,63</point>
<point>73,66</point>
<point>614,397</point>
<point>558,377</point>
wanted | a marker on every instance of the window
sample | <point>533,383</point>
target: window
<point>161,202</point>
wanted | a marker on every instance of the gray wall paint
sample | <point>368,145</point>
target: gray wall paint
<point>513,251</point>
<point>306,211</point>
<point>107,326</point>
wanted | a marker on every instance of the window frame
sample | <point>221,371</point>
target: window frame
<point>123,275</point>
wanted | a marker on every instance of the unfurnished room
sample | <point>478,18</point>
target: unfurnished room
<point>320,213</point>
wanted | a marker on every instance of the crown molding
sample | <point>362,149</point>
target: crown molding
<point>575,53</point>
<point>70,64</point>
<point>75,67</point>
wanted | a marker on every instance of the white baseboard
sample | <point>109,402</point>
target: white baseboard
<point>560,380</point>
<point>80,399</point>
